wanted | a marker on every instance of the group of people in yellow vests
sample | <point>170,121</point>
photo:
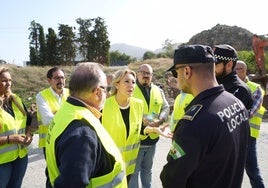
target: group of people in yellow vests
<point>122,115</point>
<point>82,127</point>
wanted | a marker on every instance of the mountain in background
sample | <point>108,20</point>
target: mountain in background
<point>238,37</point>
<point>130,50</point>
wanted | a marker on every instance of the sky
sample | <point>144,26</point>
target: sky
<point>142,23</point>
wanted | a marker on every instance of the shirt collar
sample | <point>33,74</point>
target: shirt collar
<point>92,109</point>
<point>246,79</point>
<point>54,93</point>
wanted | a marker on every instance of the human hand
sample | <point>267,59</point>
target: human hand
<point>156,123</point>
<point>164,131</point>
<point>17,139</point>
<point>28,139</point>
<point>151,120</point>
<point>145,122</point>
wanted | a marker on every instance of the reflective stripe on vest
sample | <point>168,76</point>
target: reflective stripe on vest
<point>115,182</point>
<point>9,148</point>
<point>8,132</point>
<point>128,146</point>
<point>255,121</point>
<point>54,106</point>
<point>10,126</point>
<point>66,114</point>
<point>156,102</point>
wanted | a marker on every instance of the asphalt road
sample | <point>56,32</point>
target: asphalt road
<point>35,174</point>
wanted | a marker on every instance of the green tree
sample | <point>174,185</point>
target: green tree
<point>162,55</point>
<point>249,58</point>
<point>42,44</point>
<point>2,61</point>
<point>168,46</point>
<point>98,43</point>
<point>92,43</point>
<point>117,58</point>
<point>66,44</point>
<point>51,48</point>
<point>83,36</point>
<point>33,57</point>
<point>149,55</point>
<point>37,45</point>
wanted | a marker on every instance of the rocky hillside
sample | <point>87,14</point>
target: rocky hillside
<point>237,37</point>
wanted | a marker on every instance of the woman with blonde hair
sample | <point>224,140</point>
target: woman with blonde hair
<point>15,134</point>
<point>122,117</point>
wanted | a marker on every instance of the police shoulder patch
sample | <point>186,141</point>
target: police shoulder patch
<point>192,112</point>
<point>176,151</point>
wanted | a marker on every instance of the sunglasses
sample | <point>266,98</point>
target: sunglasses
<point>174,71</point>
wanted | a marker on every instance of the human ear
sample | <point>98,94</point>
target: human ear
<point>188,72</point>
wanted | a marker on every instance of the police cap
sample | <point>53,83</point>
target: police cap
<point>225,53</point>
<point>189,54</point>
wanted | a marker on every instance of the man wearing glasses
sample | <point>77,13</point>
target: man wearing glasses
<point>156,111</point>
<point>209,142</point>
<point>80,152</point>
<point>48,102</point>
<point>256,114</point>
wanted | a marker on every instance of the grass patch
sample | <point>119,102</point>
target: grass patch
<point>28,81</point>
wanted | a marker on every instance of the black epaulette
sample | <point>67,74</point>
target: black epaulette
<point>191,113</point>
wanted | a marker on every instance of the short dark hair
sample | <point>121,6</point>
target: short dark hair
<point>52,70</point>
<point>204,69</point>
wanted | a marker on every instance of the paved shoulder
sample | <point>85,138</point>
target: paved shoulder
<point>35,174</point>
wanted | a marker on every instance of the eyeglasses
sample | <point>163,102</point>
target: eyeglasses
<point>105,89</point>
<point>145,73</point>
<point>174,71</point>
<point>58,78</point>
<point>238,69</point>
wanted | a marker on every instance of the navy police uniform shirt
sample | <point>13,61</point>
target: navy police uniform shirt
<point>209,143</point>
<point>238,88</point>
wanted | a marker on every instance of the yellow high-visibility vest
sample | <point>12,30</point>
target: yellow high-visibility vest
<point>255,121</point>
<point>113,122</point>
<point>180,103</point>
<point>154,107</point>
<point>68,113</point>
<point>54,107</point>
<point>9,126</point>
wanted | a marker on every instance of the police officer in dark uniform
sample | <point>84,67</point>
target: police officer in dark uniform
<point>226,58</point>
<point>210,141</point>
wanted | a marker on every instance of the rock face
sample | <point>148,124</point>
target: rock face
<point>237,37</point>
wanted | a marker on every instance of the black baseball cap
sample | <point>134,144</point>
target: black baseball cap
<point>190,54</point>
